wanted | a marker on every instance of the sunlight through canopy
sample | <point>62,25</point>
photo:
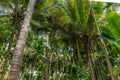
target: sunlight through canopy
<point>114,1</point>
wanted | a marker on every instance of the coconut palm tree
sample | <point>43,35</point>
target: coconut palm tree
<point>18,53</point>
<point>74,48</point>
<point>15,14</point>
<point>75,18</point>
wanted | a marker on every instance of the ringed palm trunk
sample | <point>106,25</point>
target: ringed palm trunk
<point>18,53</point>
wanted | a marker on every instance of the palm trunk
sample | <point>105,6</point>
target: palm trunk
<point>47,59</point>
<point>18,53</point>
<point>107,59</point>
<point>104,48</point>
<point>56,71</point>
<point>47,65</point>
<point>88,51</point>
<point>5,62</point>
<point>91,67</point>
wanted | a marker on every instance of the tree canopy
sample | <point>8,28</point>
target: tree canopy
<point>59,40</point>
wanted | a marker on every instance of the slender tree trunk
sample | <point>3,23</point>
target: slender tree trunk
<point>71,72</point>
<point>91,67</point>
<point>104,49</point>
<point>107,59</point>
<point>18,53</point>
<point>31,74</point>
<point>88,51</point>
<point>7,56</point>
<point>78,50</point>
<point>57,70</point>
<point>47,65</point>
<point>47,60</point>
<point>5,62</point>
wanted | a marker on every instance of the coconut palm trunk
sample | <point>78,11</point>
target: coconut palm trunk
<point>18,53</point>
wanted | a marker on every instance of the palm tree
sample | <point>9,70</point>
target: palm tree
<point>79,25</point>
<point>75,18</point>
<point>71,18</point>
<point>68,22</point>
<point>12,11</point>
<point>18,53</point>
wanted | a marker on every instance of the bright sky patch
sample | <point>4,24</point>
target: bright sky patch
<point>114,1</point>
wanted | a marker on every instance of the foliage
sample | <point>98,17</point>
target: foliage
<point>73,39</point>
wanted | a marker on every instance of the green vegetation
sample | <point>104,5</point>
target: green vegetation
<point>64,40</point>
